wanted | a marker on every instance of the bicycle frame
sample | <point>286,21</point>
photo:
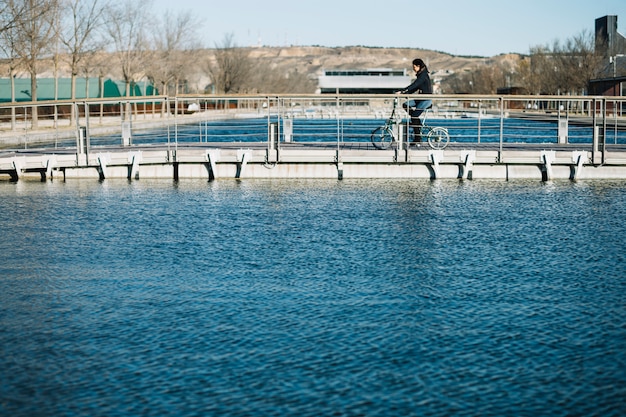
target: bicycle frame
<point>383,136</point>
<point>393,118</point>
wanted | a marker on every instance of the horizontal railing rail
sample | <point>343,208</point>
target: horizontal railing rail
<point>307,118</point>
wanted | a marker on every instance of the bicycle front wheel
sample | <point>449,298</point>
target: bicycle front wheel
<point>438,138</point>
<point>382,137</point>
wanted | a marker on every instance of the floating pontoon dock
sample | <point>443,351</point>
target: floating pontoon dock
<point>312,160</point>
<point>275,154</point>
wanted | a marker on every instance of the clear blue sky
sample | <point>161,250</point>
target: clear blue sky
<point>460,27</point>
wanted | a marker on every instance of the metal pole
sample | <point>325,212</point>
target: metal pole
<point>501,127</point>
<point>269,119</point>
<point>615,131</point>
<point>271,131</point>
<point>603,131</point>
<point>176,124</point>
<point>166,104</point>
<point>337,103</point>
<point>479,117</point>
<point>87,138</point>
<point>78,135</point>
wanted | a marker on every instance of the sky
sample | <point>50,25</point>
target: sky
<point>458,27</point>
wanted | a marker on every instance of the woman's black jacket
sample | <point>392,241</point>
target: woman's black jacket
<point>422,84</point>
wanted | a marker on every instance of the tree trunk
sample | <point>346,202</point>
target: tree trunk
<point>12,76</point>
<point>73,96</point>
<point>33,97</point>
<point>101,95</point>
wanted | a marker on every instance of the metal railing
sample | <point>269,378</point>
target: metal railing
<point>336,119</point>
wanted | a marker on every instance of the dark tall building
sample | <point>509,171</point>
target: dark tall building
<point>608,40</point>
<point>611,81</point>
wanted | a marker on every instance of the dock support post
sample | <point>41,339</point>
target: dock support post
<point>133,170</point>
<point>579,159</point>
<point>17,166</point>
<point>339,165</point>
<point>547,157</point>
<point>212,156</point>
<point>467,160</point>
<point>243,156</point>
<point>102,165</point>
<point>435,158</point>
<point>50,164</point>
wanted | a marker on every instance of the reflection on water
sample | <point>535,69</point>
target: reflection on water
<point>318,297</point>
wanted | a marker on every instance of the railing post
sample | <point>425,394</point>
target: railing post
<point>501,127</point>
<point>563,131</point>
<point>562,124</point>
<point>287,129</point>
<point>603,140</point>
<point>125,118</point>
<point>82,154</point>
<point>480,102</point>
<point>176,124</point>
<point>273,141</point>
<point>272,137</point>
<point>338,119</point>
<point>165,104</point>
<point>398,133</point>
<point>87,137</point>
<point>599,133</point>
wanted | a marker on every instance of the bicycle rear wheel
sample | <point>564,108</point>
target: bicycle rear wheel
<point>438,138</point>
<point>382,137</point>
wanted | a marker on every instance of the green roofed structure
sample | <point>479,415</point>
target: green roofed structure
<point>85,88</point>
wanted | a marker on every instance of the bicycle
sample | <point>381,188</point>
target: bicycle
<point>383,136</point>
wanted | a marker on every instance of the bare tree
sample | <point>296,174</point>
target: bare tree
<point>174,36</point>
<point>127,28</point>
<point>8,15</point>
<point>581,62</point>
<point>485,79</point>
<point>231,68</point>
<point>35,28</point>
<point>8,47</point>
<point>9,38</point>
<point>560,68</point>
<point>564,68</point>
<point>79,34</point>
<point>270,79</point>
<point>542,78</point>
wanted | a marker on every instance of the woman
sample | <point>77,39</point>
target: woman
<point>423,85</point>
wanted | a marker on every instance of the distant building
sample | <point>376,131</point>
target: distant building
<point>365,81</point>
<point>611,86</point>
<point>608,40</point>
<point>612,45</point>
<point>85,88</point>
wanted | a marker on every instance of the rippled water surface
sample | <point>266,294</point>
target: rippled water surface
<point>309,298</point>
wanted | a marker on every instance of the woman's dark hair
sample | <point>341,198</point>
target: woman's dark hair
<point>419,62</point>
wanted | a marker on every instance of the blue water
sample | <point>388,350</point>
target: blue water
<point>312,297</point>
<point>358,131</point>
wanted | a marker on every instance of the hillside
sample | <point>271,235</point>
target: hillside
<point>312,60</point>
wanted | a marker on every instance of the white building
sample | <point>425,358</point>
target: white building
<point>363,81</point>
